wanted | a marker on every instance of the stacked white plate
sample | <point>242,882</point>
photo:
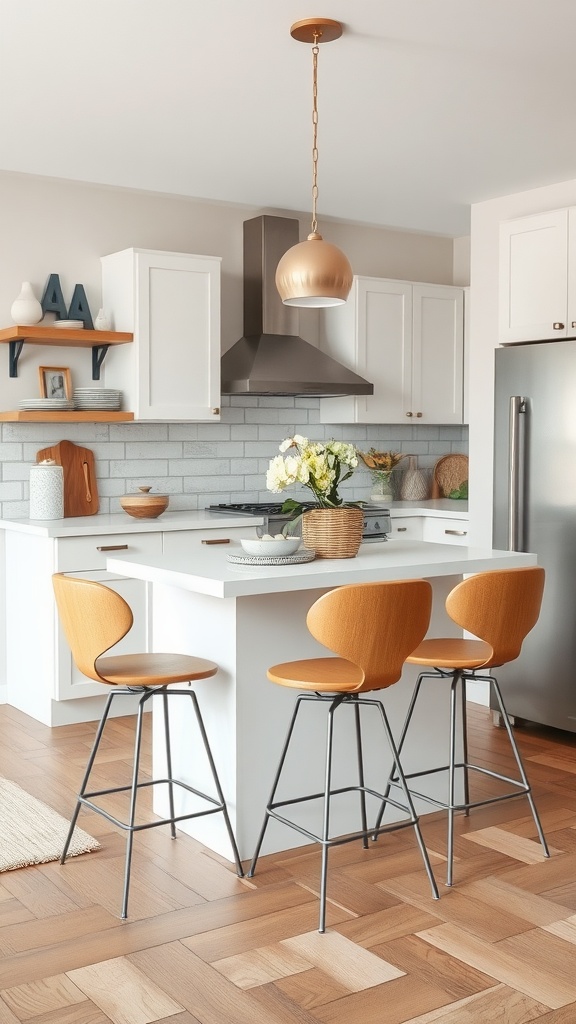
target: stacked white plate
<point>88,399</point>
<point>68,323</point>
<point>46,405</point>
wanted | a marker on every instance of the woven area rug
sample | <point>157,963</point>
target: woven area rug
<point>32,833</point>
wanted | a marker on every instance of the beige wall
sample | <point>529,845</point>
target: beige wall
<point>486,218</point>
<point>53,226</point>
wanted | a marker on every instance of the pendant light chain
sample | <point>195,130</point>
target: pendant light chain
<point>315,51</point>
<point>314,273</point>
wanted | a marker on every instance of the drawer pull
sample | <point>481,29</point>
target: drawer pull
<point>113,547</point>
<point>217,540</point>
<point>401,529</point>
<point>457,533</point>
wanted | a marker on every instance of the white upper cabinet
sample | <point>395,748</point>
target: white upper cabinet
<point>171,303</point>
<point>538,277</point>
<point>408,341</point>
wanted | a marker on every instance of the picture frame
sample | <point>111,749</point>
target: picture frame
<point>55,382</point>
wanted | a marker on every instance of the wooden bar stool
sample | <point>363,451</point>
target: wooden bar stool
<point>94,619</point>
<point>372,627</point>
<point>499,608</point>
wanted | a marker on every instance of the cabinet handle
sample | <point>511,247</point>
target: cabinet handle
<point>457,533</point>
<point>401,529</point>
<point>217,540</point>
<point>418,414</point>
<point>409,413</point>
<point>113,547</point>
<point>558,326</point>
<point>574,323</point>
<point>216,411</point>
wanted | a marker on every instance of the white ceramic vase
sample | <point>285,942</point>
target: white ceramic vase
<point>102,322</point>
<point>26,308</point>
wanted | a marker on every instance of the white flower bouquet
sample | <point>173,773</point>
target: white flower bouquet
<point>320,466</point>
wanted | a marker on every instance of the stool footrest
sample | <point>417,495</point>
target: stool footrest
<point>271,810</point>
<point>87,799</point>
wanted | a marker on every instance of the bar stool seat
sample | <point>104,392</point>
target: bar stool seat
<point>499,608</point>
<point>95,618</point>
<point>372,627</point>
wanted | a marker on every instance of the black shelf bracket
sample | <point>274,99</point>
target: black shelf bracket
<point>98,353</point>
<point>14,350</point>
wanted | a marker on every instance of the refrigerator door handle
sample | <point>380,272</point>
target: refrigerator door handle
<point>518,405</point>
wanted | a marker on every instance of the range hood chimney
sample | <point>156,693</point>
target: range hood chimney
<point>271,359</point>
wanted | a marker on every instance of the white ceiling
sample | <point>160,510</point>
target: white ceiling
<point>425,106</point>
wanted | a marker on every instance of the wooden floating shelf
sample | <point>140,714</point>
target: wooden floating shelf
<point>99,341</point>
<point>64,336</point>
<point>18,416</point>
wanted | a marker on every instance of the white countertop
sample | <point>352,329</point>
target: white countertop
<point>207,571</point>
<point>441,508</point>
<point>120,522</point>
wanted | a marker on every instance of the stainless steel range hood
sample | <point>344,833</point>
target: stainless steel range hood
<point>271,359</point>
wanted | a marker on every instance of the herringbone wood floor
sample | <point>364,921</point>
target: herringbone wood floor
<point>204,946</point>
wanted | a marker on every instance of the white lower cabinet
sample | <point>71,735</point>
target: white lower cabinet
<point>407,527</point>
<point>439,530</point>
<point>183,543</point>
<point>445,531</point>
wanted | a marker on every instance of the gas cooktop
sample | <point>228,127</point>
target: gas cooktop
<point>254,508</point>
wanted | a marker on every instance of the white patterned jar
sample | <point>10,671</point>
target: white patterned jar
<point>46,491</point>
<point>26,309</point>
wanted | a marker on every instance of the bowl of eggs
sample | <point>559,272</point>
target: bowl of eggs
<point>271,546</point>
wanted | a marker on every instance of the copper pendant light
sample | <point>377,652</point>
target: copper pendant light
<point>314,272</point>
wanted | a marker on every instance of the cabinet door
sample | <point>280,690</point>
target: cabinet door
<point>533,302</point>
<point>437,355</point>
<point>372,336</point>
<point>407,527</point>
<point>445,531</point>
<point>171,301</point>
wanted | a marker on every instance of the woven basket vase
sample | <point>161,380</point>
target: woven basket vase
<point>333,532</point>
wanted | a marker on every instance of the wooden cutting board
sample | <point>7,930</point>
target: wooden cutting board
<point>80,488</point>
<point>449,473</point>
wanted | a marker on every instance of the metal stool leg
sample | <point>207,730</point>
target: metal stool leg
<point>407,721</point>
<point>361,772</point>
<point>408,798</point>
<point>326,820</point>
<point>465,746</point>
<point>86,778</point>
<point>283,754</point>
<point>451,778</point>
<point>520,764</point>
<point>239,868</point>
<point>168,762</point>
<point>132,811</point>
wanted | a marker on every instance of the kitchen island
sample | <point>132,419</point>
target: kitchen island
<point>246,618</point>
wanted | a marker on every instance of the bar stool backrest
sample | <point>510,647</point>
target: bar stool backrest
<point>373,625</point>
<point>94,619</point>
<point>499,607</point>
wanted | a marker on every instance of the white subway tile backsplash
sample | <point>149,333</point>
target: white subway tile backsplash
<point>199,464</point>
<point>153,450</point>
<point>11,490</point>
<point>138,467</point>
<point>138,431</point>
<point>183,431</point>
<point>246,432</point>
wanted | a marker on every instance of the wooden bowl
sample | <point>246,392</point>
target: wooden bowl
<point>144,505</point>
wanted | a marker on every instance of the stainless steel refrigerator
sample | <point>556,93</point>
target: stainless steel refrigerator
<point>535,510</point>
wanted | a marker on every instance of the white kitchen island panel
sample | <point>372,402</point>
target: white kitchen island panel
<point>246,619</point>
